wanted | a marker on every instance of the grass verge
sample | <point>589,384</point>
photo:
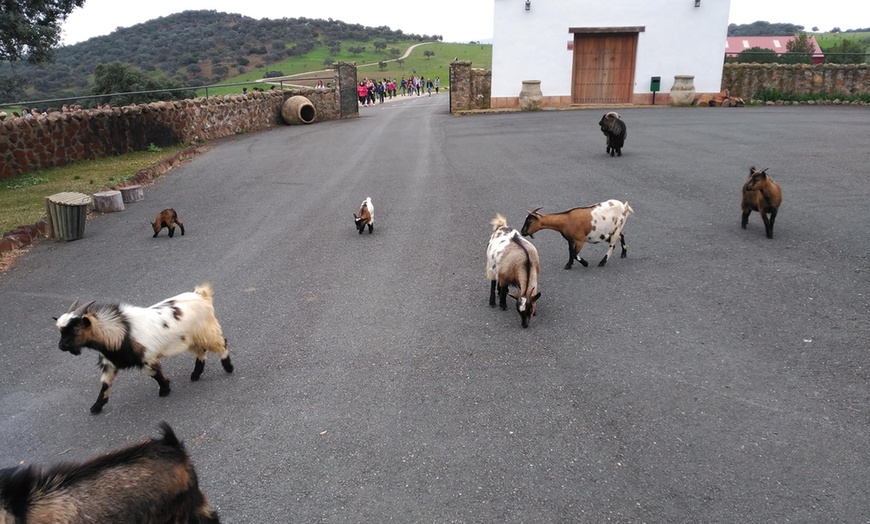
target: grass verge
<point>22,198</point>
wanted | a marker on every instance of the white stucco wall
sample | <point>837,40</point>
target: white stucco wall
<point>679,39</point>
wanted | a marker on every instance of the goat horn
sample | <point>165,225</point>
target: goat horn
<point>73,306</point>
<point>84,309</point>
<point>535,212</point>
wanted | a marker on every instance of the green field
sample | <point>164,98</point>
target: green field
<point>22,198</point>
<point>415,64</point>
<point>827,40</point>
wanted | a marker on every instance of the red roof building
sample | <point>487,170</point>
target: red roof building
<point>736,44</point>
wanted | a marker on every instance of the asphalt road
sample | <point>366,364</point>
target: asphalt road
<point>714,375</point>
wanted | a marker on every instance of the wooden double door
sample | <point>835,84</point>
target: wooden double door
<point>603,67</point>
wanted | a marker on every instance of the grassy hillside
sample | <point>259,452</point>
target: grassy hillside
<point>416,64</point>
<point>827,40</point>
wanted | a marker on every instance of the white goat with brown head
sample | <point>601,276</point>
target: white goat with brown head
<point>512,261</point>
<point>602,222</point>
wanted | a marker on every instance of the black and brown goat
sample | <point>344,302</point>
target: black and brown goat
<point>762,195</point>
<point>613,127</point>
<point>151,481</point>
<point>365,216</point>
<point>167,218</point>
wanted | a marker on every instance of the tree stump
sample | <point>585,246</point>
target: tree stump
<point>108,201</point>
<point>132,194</point>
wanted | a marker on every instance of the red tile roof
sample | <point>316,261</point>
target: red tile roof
<point>736,44</point>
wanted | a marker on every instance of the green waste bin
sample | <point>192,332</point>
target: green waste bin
<point>68,214</point>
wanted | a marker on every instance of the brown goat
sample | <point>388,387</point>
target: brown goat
<point>762,195</point>
<point>167,218</point>
<point>152,481</point>
<point>602,222</point>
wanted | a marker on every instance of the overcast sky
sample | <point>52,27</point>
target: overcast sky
<point>456,20</point>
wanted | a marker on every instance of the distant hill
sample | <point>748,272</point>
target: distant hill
<point>196,47</point>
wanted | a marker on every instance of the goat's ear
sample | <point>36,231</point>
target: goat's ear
<point>751,170</point>
<point>86,322</point>
<point>536,296</point>
<point>55,318</point>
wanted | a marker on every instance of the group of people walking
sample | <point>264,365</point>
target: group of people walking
<point>371,91</point>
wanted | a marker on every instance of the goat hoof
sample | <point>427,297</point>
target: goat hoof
<point>227,364</point>
<point>96,408</point>
<point>193,378</point>
<point>164,392</point>
<point>584,263</point>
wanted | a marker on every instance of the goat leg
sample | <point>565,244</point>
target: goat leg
<point>624,247</point>
<point>155,371</point>
<point>198,367</point>
<point>768,225</point>
<point>107,378</point>
<point>745,218</point>
<point>492,293</point>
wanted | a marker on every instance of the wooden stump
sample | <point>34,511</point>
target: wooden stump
<point>108,201</point>
<point>132,194</point>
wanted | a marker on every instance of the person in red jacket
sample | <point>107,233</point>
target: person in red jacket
<point>363,93</point>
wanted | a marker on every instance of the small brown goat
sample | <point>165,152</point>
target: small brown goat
<point>167,218</point>
<point>152,481</point>
<point>365,216</point>
<point>762,195</point>
<point>602,222</point>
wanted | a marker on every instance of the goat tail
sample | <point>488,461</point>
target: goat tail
<point>169,437</point>
<point>628,209</point>
<point>498,221</point>
<point>205,290</point>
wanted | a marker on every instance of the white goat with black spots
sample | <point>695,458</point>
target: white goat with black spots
<point>128,336</point>
<point>512,260</point>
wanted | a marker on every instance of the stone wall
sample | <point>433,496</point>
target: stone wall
<point>745,80</point>
<point>469,88</point>
<point>63,138</point>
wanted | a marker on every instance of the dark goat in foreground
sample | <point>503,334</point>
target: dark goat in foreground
<point>762,195</point>
<point>167,218</point>
<point>613,127</point>
<point>148,482</point>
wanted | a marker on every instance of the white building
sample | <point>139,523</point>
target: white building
<point>606,52</point>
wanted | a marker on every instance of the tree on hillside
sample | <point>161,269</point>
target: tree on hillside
<point>762,28</point>
<point>845,52</point>
<point>380,45</point>
<point>356,49</point>
<point>428,54</point>
<point>29,29</point>
<point>118,81</point>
